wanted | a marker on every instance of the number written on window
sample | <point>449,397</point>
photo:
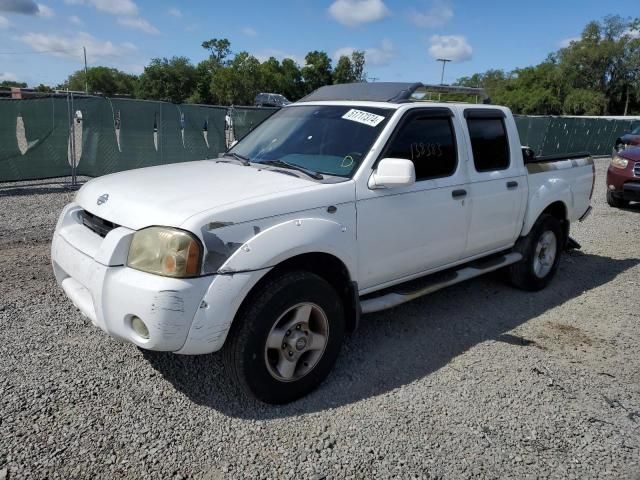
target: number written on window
<point>429,143</point>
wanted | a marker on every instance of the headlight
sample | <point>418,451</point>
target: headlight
<point>619,162</point>
<point>165,251</point>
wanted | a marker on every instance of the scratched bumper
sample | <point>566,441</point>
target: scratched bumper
<point>110,295</point>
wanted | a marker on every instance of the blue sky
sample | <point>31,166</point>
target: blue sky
<point>41,40</point>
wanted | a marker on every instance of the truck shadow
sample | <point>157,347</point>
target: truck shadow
<point>399,346</point>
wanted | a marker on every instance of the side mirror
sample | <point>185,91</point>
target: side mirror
<point>393,172</point>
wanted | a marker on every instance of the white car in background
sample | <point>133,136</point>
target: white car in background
<point>352,200</point>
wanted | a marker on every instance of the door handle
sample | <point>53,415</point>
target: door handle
<point>512,184</point>
<point>459,193</point>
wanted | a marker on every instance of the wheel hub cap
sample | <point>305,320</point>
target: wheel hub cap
<point>545,254</point>
<point>296,342</point>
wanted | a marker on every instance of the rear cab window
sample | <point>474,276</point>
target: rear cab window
<point>489,140</point>
<point>427,138</point>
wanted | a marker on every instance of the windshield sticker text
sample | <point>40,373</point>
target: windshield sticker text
<point>365,118</point>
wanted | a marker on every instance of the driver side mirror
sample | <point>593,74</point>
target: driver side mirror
<point>393,172</point>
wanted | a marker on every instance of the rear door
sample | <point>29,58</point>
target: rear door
<point>497,182</point>
<point>407,230</point>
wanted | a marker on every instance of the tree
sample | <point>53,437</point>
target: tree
<point>350,69</point>
<point>104,80</point>
<point>343,73</point>
<point>358,62</point>
<point>317,71</point>
<point>584,102</point>
<point>219,49</point>
<point>11,83</point>
<point>605,60</point>
<point>171,80</point>
<point>293,85</point>
<point>239,82</point>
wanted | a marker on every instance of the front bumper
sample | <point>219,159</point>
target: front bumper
<point>91,270</point>
<point>631,191</point>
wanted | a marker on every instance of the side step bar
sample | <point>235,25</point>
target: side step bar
<point>397,295</point>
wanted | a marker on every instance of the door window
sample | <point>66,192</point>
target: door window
<point>489,144</point>
<point>429,142</point>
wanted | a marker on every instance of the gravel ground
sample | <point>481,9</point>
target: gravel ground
<point>479,380</point>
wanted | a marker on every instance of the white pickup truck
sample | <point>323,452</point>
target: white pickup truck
<point>355,199</point>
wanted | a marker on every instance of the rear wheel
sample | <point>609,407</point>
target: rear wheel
<point>287,338</point>
<point>540,251</point>
<point>616,202</point>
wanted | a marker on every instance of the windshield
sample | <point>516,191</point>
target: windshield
<point>327,139</point>
<point>636,131</point>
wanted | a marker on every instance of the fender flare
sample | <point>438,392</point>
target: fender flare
<point>547,194</point>
<point>292,238</point>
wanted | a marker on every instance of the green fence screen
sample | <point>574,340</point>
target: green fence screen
<point>558,135</point>
<point>38,137</point>
<point>111,135</point>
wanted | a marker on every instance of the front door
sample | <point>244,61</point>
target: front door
<point>408,230</point>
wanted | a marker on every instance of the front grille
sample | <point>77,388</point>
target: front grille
<point>636,169</point>
<point>96,224</point>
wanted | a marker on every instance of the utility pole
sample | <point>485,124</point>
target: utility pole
<point>444,63</point>
<point>86,74</point>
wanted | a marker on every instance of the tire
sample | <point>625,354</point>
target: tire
<point>539,263</point>
<point>616,202</point>
<point>256,360</point>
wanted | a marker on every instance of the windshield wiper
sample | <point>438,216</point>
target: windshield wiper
<point>293,166</point>
<point>241,158</point>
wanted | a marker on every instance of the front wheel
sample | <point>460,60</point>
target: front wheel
<point>540,251</point>
<point>286,338</point>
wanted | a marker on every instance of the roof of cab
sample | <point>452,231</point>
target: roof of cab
<point>386,92</point>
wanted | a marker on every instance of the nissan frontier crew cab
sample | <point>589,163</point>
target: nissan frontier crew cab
<point>353,200</point>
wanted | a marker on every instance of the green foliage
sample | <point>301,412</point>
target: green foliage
<point>317,71</point>
<point>598,74</point>
<point>171,80</point>
<point>11,83</point>
<point>349,69</point>
<point>104,80</point>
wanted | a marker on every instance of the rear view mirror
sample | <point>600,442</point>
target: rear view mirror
<point>393,172</point>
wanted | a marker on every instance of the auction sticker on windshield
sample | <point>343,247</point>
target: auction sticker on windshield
<point>360,116</point>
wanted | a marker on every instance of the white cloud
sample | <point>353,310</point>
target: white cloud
<point>44,11</point>
<point>381,55</point>
<point>355,12</point>
<point>138,24</point>
<point>8,76</point>
<point>4,23</point>
<point>344,51</point>
<point>175,12</point>
<point>453,47</point>
<point>249,32</point>
<point>76,20</point>
<point>71,46</point>
<point>632,33</point>
<point>438,15</point>
<point>114,7</point>
<point>567,41</point>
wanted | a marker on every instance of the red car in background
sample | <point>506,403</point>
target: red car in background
<point>623,178</point>
<point>631,139</point>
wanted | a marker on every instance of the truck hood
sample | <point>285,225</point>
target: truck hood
<point>170,194</point>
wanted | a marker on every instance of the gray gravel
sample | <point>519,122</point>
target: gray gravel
<point>480,380</point>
